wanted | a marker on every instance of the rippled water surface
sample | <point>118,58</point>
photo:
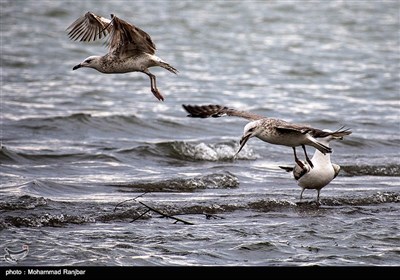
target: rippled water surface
<point>91,164</point>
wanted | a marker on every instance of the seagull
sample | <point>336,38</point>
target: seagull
<point>130,49</point>
<point>323,172</point>
<point>273,131</point>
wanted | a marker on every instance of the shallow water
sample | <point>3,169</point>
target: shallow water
<point>83,154</point>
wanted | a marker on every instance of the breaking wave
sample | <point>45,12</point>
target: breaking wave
<point>373,170</point>
<point>16,211</point>
<point>211,181</point>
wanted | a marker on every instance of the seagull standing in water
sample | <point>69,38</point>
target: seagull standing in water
<point>274,131</point>
<point>324,170</point>
<point>130,48</point>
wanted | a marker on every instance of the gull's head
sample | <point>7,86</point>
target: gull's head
<point>251,129</point>
<point>91,62</point>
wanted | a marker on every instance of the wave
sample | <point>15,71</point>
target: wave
<point>45,220</point>
<point>62,190</point>
<point>8,155</point>
<point>266,205</point>
<point>225,151</point>
<point>377,198</point>
<point>373,170</point>
<point>23,202</point>
<point>41,212</point>
<point>80,122</point>
<point>71,123</point>
<point>192,151</point>
<point>50,188</point>
<point>211,181</point>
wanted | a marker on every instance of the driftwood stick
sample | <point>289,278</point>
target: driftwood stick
<point>115,208</point>
<point>165,215</point>
<point>141,215</point>
<point>151,209</point>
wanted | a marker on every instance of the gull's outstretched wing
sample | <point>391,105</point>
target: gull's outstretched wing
<point>285,127</point>
<point>127,39</point>
<point>89,27</point>
<point>215,111</point>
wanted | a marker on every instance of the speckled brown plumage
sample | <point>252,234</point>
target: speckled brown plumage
<point>130,49</point>
<point>274,131</point>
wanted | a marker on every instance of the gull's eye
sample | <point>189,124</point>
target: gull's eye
<point>88,60</point>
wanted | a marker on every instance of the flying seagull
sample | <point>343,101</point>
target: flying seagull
<point>274,131</point>
<point>130,49</point>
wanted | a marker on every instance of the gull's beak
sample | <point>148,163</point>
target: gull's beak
<point>243,142</point>
<point>77,66</point>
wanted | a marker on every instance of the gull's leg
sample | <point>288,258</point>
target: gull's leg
<point>308,160</point>
<point>153,86</point>
<point>301,194</point>
<point>318,195</point>
<point>296,159</point>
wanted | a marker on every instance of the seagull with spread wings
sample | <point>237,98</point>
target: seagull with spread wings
<point>130,49</point>
<point>274,131</point>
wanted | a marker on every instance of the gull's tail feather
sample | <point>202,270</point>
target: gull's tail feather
<point>341,132</point>
<point>169,67</point>
<point>338,134</point>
